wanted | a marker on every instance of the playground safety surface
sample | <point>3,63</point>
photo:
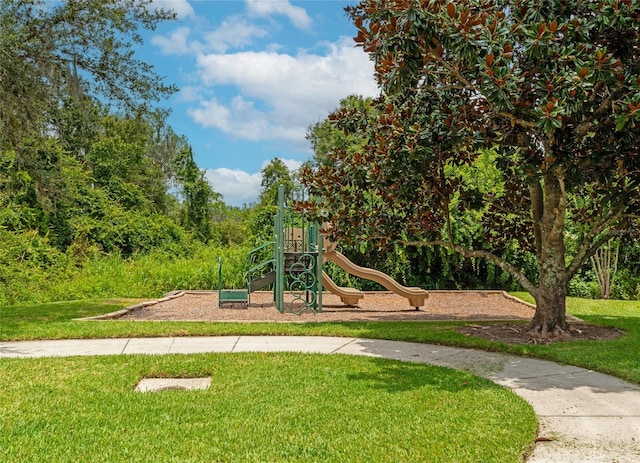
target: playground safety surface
<point>378,305</point>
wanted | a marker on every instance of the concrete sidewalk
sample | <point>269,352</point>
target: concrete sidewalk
<point>587,416</point>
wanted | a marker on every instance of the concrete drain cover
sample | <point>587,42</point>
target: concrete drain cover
<point>165,384</point>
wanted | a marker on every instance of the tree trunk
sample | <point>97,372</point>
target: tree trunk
<point>550,316</point>
<point>550,296</point>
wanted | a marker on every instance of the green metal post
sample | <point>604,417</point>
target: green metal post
<point>279,250</point>
<point>315,245</point>
<point>320,244</point>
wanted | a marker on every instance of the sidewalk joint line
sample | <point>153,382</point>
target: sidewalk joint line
<point>125,346</point>
<point>353,340</point>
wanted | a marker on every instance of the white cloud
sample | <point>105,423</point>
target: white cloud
<point>234,32</point>
<point>280,95</point>
<point>188,94</point>
<point>237,187</point>
<point>241,119</point>
<point>243,85</point>
<point>297,15</point>
<point>176,43</point>
<point>181,7</point>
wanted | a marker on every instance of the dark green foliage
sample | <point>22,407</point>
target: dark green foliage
<point>197,195</point>
<point>89,218</point>
<point>434,268</point>
<point>55,50</point>
<point>627,284</point>
<point>261,223</point>
<point>88,167</point>
<point>127,233</point>
<point>325,137</point>
<point>28,264</point>
<point>552,88</point>
<point>274,174</point>
<point>113,199</point>
<point>232,225</point>
<point>126,175</point>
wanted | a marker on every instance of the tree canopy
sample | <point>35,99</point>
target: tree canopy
<point>551,87</point>
<point>50,51</point>
<point>274,174</point>
<point>325,137</point>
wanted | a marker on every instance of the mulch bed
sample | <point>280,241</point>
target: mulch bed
<point>375,306</point>
<point>518,334</point>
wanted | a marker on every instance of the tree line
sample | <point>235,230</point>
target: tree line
<point>88,164</point>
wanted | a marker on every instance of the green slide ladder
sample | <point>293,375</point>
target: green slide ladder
<point>261,267</point>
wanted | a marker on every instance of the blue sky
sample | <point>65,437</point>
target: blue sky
<point>253,75</point>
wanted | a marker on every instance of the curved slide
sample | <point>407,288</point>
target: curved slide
<point>349,296</point>
<point>416,296</point>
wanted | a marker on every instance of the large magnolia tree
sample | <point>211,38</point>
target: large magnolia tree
<point>552,87</point>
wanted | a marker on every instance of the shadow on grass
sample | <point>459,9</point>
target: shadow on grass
<point>394,377</point>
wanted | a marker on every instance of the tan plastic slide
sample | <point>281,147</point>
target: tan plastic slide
<point>349,296</point>
<point>416,296</point>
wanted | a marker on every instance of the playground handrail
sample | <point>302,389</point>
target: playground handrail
<point>252,268</point>
<point>262,246</point>
<point>253,252</point>
<point>260,265</point>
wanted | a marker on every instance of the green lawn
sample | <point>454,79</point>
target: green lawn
<point>274,407</point>
<point>617,357</point>
<point>259,408</point>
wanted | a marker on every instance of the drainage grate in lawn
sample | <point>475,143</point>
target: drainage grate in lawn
<point>165,384</point>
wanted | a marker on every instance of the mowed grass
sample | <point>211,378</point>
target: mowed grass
<point>260,407</point>
<point>275,407</point>
<point>617,357</point>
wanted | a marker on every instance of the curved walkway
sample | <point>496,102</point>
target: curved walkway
<point>584,416</point>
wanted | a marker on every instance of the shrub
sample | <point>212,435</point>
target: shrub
<point>28,265</point>
<point>586,289</point>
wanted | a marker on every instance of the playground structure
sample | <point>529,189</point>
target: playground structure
<point>292,264</point>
